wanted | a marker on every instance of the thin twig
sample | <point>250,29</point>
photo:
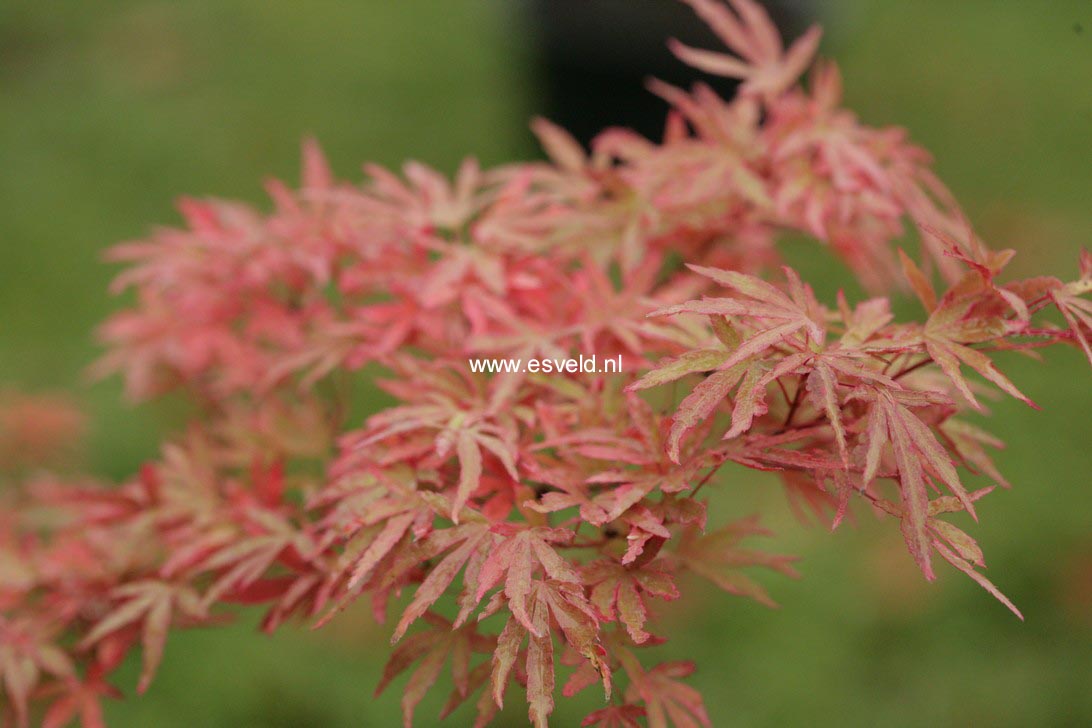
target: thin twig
<point>911,368</point>
<point>708,476</point>
<point>795,404</point>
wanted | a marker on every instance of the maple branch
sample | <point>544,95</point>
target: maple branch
<point>792,409</point>
<point>1039,303</point>
<point>712,471</point>
<point>784,392</point>
<point>887,363</point>
<point>598,543</point>
<point>913,367</point>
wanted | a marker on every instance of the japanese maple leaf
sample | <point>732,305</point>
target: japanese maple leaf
<point>425,199</point>
<point>718,557</point>
<point>619,592</point>
<point>777,452</point>
<point>152,605</point>
<point>432,648</point>
<point>570,490</point>
<point>628,488</point>
<point>523,334</point>
<point>863,321</point>
<point>968,443</point>
<point>521,553</point>
<point>707,394</point>
<point>611,317</point>
<point>972,311</point>
<point>267,537</point>
<point>81,698</point>
<point>370,333</point>
<point>605,495</point>
<point>648,522</point>
<point>562,148</point>
<point>460,419</point>
<point>632,436</point>
<point>615,716</point>
<point>550,602</point>
<point>822,387</point>
<point>466,545</point>
<point>777,319</point>
<point>918,457</point>
<point>305,592</point>
<point>459,264</point>
<point>667,700</point>
<point>695,361</point>
<point>24,657</point>
<point>372,514</point>
<point>1077,310</point>
<point>763,64</point>
<point>952,543</point>
<point>778,316</point>
<point>958,548</point>
<point>619,220</point>
<point>958,323</point>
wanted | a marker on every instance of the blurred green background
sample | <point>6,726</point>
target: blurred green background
<point>110,110</point>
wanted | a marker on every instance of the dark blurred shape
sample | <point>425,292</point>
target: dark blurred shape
<point>593,58</point>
